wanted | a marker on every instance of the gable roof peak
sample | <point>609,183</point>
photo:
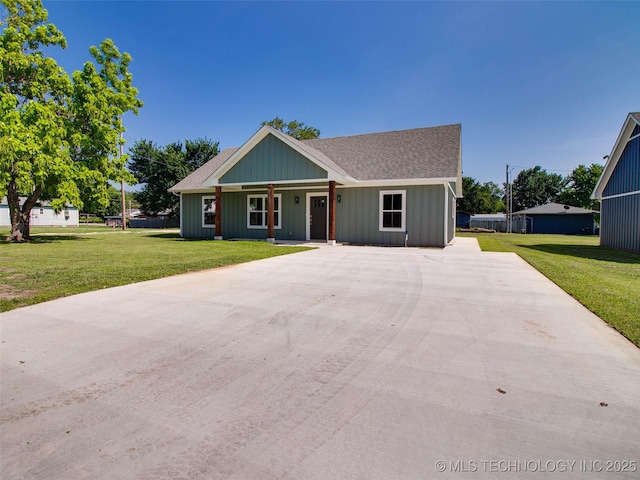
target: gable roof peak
<point>633,119</point>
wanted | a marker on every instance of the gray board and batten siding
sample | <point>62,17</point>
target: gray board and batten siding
<point>620,203</point>
<point>357,216</point>
<point>423,163</point>
<point>271,161</point>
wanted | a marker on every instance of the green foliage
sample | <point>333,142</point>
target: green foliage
<point>294,128</point>
<point>477,198</point>
<point>114,207</point>
<point>160,168</point>
<point>580,186</point>
<point>535,186</point>
<point>59,133</point>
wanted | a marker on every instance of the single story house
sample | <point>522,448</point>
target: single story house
<point>557,218</point>
<point>379,189</point>
<point>618,190</point>
<point>42,215</point>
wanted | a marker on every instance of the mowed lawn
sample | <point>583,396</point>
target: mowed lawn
<point>604,280</point>
<point>61,262</point>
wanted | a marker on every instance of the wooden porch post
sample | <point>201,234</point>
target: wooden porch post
<point>218,235</point>
<point>332,212</point>
<point>271,237</point>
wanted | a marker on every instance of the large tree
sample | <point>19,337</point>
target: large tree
<point>480,198</point>
<point>58,133</point>
<point>294,128</point>
<point>535,186</point>
<point>159,168</point>
<point>580,185</point>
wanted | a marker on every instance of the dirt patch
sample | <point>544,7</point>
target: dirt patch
<point>16,276</point>
<point>8,292</point>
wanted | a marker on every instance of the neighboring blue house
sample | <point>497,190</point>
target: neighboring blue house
<point>377,189</point>
<point>462,219</point>
<point>558,218</point>
<point>618,190</point>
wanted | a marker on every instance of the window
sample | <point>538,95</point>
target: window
<point>208,212</point>
<point>257,208</point>
<point>392,210</point>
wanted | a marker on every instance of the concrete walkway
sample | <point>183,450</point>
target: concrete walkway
<point>344,362</point>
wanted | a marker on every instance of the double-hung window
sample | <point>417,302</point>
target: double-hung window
<point>257,210</point>
<point>393,210</point>
<point>208,212</point>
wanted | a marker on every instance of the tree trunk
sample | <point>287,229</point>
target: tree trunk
<point>20,216</point>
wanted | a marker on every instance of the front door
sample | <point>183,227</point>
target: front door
<point>318,218</point>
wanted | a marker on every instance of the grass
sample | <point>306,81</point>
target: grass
<point>604,280</point>
<point>60,263</point>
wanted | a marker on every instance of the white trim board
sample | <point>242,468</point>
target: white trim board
<point>403,211</point>
<point>625,194</point>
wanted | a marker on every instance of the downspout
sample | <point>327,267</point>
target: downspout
<point>453,216</point>
<point>179,195</point>
<point>446,214</point>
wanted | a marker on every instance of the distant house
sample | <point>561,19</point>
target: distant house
<point>557,218</point>
<point>378,189</point>
<point>116,220</point>
<point>618,190</point>
<point>489,221</point>
<point>161,220</point>
<point>462,219</point>
<point>42,215</point>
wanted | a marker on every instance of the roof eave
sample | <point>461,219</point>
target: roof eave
<point>614,156</point>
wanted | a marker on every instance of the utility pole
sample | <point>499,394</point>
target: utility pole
<point>507,199</point>
<point>124,204</point>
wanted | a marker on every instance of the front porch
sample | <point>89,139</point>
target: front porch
<point>271,212</point>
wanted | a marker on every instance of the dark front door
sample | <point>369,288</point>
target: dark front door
<point>318,218</point>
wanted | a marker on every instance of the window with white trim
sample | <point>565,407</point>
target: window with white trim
<point>208,212</point>
<point>257,208</point>
<point>393,210</point>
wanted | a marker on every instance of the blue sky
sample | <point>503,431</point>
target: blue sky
<point>532,83</point>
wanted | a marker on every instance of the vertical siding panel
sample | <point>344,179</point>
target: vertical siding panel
<point>620,216</point>
<point>192,217</point>
<point>270,161</point>
<point>357,216</point>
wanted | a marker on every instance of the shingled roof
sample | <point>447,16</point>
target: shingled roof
<point>555,209</point>
<point>196,179</point>
<point>420,153</point>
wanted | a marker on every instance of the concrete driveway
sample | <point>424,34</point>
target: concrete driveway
<point>343,362</point>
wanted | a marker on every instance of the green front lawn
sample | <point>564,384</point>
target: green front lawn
<point>59,263</point>
<point>604,280</point>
